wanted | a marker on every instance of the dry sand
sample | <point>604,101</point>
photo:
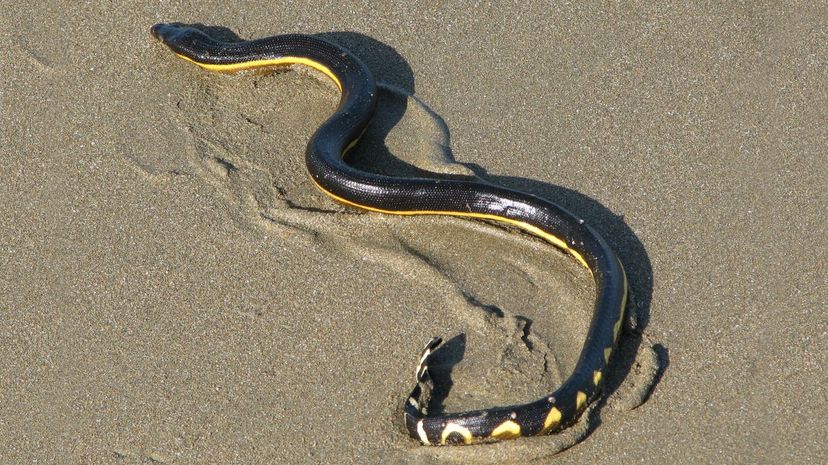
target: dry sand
<point>174,290</point>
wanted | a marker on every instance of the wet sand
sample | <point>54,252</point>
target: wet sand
<point>175,290</point>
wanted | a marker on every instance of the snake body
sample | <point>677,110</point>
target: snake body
<point>438,196</point>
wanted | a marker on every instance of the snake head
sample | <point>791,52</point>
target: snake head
<point>177,35</point>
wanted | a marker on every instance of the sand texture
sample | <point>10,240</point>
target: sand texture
<point>174,289</point>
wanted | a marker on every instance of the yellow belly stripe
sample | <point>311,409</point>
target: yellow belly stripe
<point>252,64</point>
<point>557,242</point>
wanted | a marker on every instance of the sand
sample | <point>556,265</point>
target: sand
<point>175,290</point>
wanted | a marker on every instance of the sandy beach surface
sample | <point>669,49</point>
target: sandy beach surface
<point>173,288</point>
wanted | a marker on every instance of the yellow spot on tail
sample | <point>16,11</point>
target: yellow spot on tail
<point>554,240</point>
<point>421,432</point>
<point>507,430</point>
<point>580,400</point>
<point>596,377</point>
<point>455,428</point>
<point>607,353</point>
<point>253,64</point>
<point>553,418</point>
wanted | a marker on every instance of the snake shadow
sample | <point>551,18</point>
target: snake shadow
<point>397,84</point>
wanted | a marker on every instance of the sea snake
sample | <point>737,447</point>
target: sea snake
<point>463,197</point>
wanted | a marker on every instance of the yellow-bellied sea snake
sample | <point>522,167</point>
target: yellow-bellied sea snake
<point>423,196</point>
